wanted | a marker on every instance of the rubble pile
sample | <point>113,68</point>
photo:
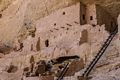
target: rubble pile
<point>48,70</point>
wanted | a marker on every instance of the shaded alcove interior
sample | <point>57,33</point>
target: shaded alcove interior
<point>96,14</point>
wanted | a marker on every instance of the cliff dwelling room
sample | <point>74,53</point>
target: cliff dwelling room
<point>59,39</point>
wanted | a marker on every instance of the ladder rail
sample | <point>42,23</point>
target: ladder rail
<point>60,77</point>
<point>94,62</point>
<point>100,53</point>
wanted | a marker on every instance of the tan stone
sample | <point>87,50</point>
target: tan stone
<point>16,12</point>
<point>81,78</point>
<point>46,78</point>
<point>84,37</point>
<point>1,55</point>
<point>32,78</point>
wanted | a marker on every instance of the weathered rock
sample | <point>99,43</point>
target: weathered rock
<point>31,78</point>
<point>40,68</point>
<point>5,48</point>
<point>46,77</point>
<point>1,55</point>
<point>25,12</point>
<point>12,69</point>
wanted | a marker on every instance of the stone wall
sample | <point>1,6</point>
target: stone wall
<point>66,36</point>
<point>91,14</point>
<point>96,15</point>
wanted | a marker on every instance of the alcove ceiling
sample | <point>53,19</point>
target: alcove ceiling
<point>111,6</point>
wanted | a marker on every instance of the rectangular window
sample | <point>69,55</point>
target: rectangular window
<point>83,17</point>
<point>91,17</point>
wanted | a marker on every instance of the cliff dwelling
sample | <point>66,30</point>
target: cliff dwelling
<point>59,40</point>
<point>94,14</point>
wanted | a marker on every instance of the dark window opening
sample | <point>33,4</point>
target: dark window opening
<point>63,13</point>
<point>54,24</point>
<point>91,17</point>
<point>25,24</point>
<point>93,25</point>
<point>47,43</point>
<point>83,17</point>
<point>67,28</point>
<point>99,30</point>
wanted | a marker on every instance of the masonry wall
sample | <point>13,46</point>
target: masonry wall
<point>103,17</point>
<point>91,14</point>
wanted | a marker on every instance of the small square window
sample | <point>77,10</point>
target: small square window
<point>47,43</point>
<point>91,17</point>
<point>63,13</point>
<point>83,17</point>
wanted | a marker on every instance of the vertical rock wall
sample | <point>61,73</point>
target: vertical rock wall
<point>14,14</point>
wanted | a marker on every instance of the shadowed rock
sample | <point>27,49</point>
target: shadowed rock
<point>5,49</point>
<point>12,69</point>
<point>64,58</point>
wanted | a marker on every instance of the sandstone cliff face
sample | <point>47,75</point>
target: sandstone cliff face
<point>49,29</point>
<point>14,14</point>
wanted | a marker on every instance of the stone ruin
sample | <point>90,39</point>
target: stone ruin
<point>44,43</point>
<point>48,70</point>
<point>94,14</point>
